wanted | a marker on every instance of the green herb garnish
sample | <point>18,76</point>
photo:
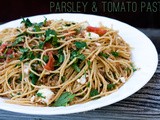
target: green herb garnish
<point>93,92</point>
<point>110,86</point>
<point>64,99</point>
<point>88,85</point>
<point>27,22</point>
<point>34,78</point>
<point>103,55</point>
<point>75,66</point>
<point>31,55</point>
<point>24,52</point>
<point>76,54</point>
<point>80,45</point>
<point>40,95</point>
<point>63,78</point>
<point>45,58</point>
<point>41,45</point>
<point>115,54</point>
<point>51,36</point>
<point>17,41</point>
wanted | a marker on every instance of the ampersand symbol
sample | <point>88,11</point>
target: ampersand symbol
<point>94,7</point>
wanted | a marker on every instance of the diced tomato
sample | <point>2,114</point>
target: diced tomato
<point>2,60</point>
<point>97,30</point>
<point>47,45</point>
<point>51,62</point>
<point>3,47</point>
<point>9,51</point>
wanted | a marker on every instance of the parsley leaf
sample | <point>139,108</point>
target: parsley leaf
<point>60,58</point>
<point>88,85</point>
<point>25,52</point>
<point>64,99</point>
<point>89,63</point>
<point>110,86</point>
<point>63,78</point>
<point>22,34</point>
<point>75,66</point>
<point>80,45</point>
<point>45,58</point>
<point>103,55</point>
<point>18,40</point>
<point>40,95</point>
<point>31,55</point>
<point>80,57</point>
<point>115,54</point>
<point>36,28</point>
<point>75,53</point>
<point>45,21</point>
<point>51,34</point>
<point>34,78</point>
<point>41,45</point>
<point>93,92</point>
<point>27,22</point>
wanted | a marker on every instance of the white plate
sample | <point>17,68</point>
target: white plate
<point>144,56</point>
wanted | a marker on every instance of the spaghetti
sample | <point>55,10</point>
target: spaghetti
<point>59,63</point>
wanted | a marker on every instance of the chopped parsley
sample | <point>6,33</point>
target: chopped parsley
<point>80,45</point>
<point>63,78</point>
<point>31,55</point>
<point>103,55</point>
<point>51,36</point>
<point>64,99</point>
<point>24,52</point>
<point>88,85</point>
<point>17,41</point>
<point>60,56</point>
<point>76,67</point>
<point>93,92</point>
<point>89,63</point>
<point>76,54</point>
<point>27,22</point>
<point>110,86</point>
<point>41,45</point>
<point>40,95</point>
<point>34,78</point>
<point>36,28</point>
<point>79,58</point>
<point>115,54</point>
<point>45,58</point>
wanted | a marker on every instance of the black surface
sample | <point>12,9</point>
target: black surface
<point>148,18</point>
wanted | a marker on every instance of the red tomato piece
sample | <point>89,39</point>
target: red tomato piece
<point>97,30</point>
<point>51,62</point>
<point>3,47</point>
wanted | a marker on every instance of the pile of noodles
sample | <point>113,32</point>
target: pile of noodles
<point>103,62</point>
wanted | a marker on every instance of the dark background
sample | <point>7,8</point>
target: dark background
<point>14,9</point>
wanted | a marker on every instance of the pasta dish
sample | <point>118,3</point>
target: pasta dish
<point>60,63</point>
